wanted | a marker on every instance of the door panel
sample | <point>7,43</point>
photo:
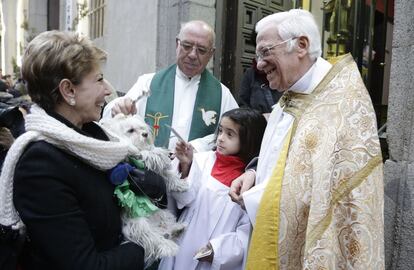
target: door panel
<point>238,46</point>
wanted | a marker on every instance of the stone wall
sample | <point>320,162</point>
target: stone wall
<point>130,38</point>
<point>171,13</point>
<point>140,35</point>
<point>399,168</point>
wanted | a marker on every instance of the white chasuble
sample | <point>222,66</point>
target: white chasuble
<point>331,201</point>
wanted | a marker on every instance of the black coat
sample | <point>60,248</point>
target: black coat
<point>72,218</point>
<point>255,92</point>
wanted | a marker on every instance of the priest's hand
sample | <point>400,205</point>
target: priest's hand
<point>124,105</point>
<point>241,184</point>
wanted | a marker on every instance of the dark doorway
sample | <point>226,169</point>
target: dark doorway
<point>235,48</point>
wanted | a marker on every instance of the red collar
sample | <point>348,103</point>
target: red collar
<point>227,168</point>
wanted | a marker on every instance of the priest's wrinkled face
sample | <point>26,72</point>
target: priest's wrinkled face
<point>194,48</point>
<point>278,58</point>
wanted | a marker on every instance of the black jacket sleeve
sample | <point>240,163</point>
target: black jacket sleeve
<point>246,88</point>
<point>252,165</point>
<point>148,183</point>
<point>72,219</point>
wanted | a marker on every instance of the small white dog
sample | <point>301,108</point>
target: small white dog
<point>157,232</point>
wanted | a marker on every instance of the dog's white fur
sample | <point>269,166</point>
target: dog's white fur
<point>156,233</point>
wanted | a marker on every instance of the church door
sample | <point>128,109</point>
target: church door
<point>235,24</point>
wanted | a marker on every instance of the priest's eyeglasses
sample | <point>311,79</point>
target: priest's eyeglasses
<point>188,47</point>
<point>266,51</point>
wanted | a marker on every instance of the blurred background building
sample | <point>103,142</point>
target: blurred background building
<point>139,36</point>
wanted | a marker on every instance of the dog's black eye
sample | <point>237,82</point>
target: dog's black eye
<point>131,130</point>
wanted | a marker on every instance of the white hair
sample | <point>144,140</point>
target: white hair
<point>292,24</point>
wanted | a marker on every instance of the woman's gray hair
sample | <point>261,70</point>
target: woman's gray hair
<point>293,24</point>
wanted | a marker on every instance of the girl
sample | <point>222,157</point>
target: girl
<point>218,229</point>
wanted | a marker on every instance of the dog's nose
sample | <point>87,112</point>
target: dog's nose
<point>144,134</point>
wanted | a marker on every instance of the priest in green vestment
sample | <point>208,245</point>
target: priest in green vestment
<point>184,96</point>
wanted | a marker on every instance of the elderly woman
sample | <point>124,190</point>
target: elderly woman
<point>54,179</point>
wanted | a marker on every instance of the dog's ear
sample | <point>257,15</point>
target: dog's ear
<point>119,116</point>
<point>112,123</point>
<point>105,122</point>
<point>110,126</point>
<point>108,123</point>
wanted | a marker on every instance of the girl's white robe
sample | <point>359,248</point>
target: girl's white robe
<point>211,216</point>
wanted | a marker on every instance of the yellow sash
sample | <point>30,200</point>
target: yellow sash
<point>263,251</point>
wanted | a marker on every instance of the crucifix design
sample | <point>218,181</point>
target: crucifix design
<point>156,117</point>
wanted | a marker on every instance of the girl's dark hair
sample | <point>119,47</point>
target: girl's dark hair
<point>252,126</point>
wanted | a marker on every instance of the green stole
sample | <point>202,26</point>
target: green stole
<point>160,106</point>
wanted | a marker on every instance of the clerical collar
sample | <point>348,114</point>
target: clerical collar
<point>303,84</point>
<point>184,77</point>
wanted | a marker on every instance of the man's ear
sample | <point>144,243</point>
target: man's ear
<point>303,45</point>
<point>212,51</point>
<point>67,91</point>
<point>176,42</point>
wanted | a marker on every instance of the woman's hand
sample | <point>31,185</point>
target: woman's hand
<point>6,138</point>
<point>148,183</point>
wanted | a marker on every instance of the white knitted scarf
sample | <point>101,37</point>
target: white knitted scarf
<point>102,155</point>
